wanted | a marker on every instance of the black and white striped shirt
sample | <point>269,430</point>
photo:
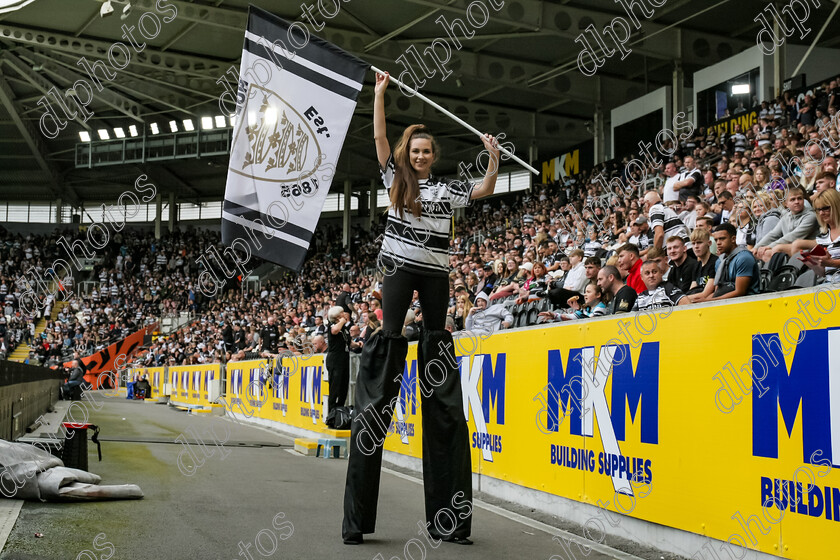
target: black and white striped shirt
<point>832,273</point>
<point>664,295</point>
<point>421,245</point>
<point>661,215</point>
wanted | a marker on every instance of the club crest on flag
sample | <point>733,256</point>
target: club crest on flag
<point>281,145</point>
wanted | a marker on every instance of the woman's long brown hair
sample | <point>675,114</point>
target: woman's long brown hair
<point>405,191</point>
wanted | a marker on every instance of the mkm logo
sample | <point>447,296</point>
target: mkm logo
<point>310,388</point>
<point>583,385</point>
<point>474,370</point>
<point>813,381</point>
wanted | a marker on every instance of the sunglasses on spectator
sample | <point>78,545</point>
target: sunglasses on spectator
<point>823,209</point>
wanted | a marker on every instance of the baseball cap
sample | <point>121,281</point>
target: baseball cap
<point>527,266</point>
<point>641,220</point>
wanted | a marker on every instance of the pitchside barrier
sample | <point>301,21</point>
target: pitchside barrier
<point>721,420</point>
<point>195,386</point>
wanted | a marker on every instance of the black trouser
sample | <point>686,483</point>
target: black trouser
<point>338,367</point>
<point>397,291</point>
<point>447,469</point>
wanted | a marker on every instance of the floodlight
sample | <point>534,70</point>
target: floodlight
<point>85,136</point>
<point>132,130</point>
<point>119,133</point>
<point>103,134</point>
<point>173,126</point>
<point>220,121</point>
<point>740,89</point>
<point>188,125</point>
<point>154,127</point>
<point>206,123</point>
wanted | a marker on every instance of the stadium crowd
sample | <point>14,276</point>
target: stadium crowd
<point>699,226</point>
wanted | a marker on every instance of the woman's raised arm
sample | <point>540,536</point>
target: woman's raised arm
<point>380,138</point>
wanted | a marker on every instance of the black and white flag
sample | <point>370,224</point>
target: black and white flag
<point>296,96</point>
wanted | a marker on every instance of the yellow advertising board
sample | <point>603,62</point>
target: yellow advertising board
<point>194,385</point>
<point>291,395</point>
<point>695,419</point>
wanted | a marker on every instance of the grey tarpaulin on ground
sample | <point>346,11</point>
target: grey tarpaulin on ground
<point>30,473</point>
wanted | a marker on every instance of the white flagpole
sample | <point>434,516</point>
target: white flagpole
<point>456,119</point>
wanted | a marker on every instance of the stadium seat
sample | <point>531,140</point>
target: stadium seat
<point>807,279</point>
<point>795,263</point>
<point>777,261</point>
<point>784,279</point>
<point>533,313</point>
<point>522,317</point>
<point>766,278</point>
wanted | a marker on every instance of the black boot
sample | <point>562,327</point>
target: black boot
<point>447,464</point>
<point>377,388</point>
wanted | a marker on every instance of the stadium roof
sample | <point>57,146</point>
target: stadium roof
<point>518,74</point>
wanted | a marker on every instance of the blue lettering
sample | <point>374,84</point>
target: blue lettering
<point>629,387</point>
<point>493,387</point>
<point>408,388</point>
<point>806,384</point>
<point>304,377</point>
<point>560,384</point>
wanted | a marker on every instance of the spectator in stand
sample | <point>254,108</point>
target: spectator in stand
<point>592,265</point>
<point>827,206</point>
<point>738,274</point>
<point>356,340</point>
<point>684,268</point>
<point>657,293</point>
<point>707,262</point>
<point>664,221</point>
<point>622,297</point>
<point>825,180</point>
<point>482,319</point>
<point>765,214</point>
<point>535,284</point>
<point>668,192</point>
<point>376,306</point>
<point>660,257</point>
<point>519,279</point>
<point>593,305</point>
<point>319,344</point>
<point>630,264</point>
<point>797,223</point>
<point>745,230</point>
<point>725,206</point>
<point>691,180</point>
<point>575,278</point>
<point>487,279</point>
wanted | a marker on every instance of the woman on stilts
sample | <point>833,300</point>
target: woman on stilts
<point>414,256</point>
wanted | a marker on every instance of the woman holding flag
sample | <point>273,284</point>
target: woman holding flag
<point>414,256</point>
